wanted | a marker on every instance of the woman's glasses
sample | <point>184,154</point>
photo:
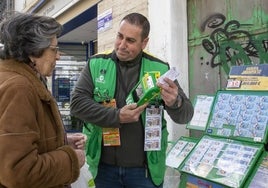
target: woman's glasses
<point>55,48</point>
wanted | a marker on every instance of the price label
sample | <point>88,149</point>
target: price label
<point>233,83</point>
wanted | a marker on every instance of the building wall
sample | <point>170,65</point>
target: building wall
<point>28,4</point>
<point>19,5</point>
<point>62,10</point>
<point>224,34</point>
<point>75,10</point>
<point>168,40</point>
<point>119,9</point>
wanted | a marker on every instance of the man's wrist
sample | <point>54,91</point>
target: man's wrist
<point>178,102</point>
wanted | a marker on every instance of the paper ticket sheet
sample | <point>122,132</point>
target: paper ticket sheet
<point>153,128</point>
<point>172,74</point>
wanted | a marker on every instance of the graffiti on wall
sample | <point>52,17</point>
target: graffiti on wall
<point>230,43</point>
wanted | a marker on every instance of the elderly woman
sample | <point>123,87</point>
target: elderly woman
<point>33,145</point>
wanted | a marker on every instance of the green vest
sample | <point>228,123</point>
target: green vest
<point>105,83</point>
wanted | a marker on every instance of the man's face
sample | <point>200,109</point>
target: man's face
<point>128,43</point>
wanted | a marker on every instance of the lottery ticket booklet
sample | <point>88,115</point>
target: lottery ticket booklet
<point>146,89</point>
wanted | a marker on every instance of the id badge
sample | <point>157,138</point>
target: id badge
<point>153,128</point>
<point>111,136</point>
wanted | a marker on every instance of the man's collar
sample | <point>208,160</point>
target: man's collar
<point>131,63</point>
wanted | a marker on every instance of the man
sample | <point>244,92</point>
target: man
<point>119,150</point>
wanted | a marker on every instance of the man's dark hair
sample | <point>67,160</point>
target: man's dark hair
<point>140,21</point>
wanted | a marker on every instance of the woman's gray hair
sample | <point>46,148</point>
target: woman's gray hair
<point>24,35</point>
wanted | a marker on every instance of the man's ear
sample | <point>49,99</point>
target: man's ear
<point>144,42</point>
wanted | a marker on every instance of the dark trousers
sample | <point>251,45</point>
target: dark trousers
<point>110,176</point>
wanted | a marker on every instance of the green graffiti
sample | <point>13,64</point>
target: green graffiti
<point>232,44</point>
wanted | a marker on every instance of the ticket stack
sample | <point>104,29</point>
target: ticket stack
<point>232,150</point>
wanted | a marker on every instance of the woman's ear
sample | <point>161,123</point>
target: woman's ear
<point>32,59</point>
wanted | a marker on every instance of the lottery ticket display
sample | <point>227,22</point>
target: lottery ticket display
<point>240,115</point>
<point>231,153</point>
<point>179,151</point>
<point>202,108</point>
<point>224,161</point>
<point>259,177</point>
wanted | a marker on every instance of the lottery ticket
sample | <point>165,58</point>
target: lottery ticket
<point>172,74</point>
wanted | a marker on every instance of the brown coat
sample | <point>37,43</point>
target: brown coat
<point>32,150</point>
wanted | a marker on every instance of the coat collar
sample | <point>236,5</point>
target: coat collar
<point>26,71</point>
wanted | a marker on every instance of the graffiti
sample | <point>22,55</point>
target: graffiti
<point>213,21</point>
<point>231,44</point>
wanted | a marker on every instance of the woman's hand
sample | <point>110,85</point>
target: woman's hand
<point>81,156</point>
<point>77,140</point>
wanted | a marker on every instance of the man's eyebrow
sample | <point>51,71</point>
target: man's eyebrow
<point>130,39</point>
<point>127,38</point>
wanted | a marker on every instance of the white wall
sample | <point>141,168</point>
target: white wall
<point>168,41</point>
<point>19,5</point>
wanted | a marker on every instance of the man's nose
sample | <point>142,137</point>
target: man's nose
<point>123,44</point>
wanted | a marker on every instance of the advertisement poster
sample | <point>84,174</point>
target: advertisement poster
<point>248,77</point>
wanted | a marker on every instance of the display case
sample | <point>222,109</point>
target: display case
<point>233,141</point>
<point>190,181</point>
<point>259,177</point>
<point>231,152</point>
<point>223,161</point>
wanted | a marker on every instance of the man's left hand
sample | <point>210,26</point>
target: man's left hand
<point>169,92</point>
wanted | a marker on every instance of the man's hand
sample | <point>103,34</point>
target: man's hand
<point>131,113</point>
<point>169,92</point>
